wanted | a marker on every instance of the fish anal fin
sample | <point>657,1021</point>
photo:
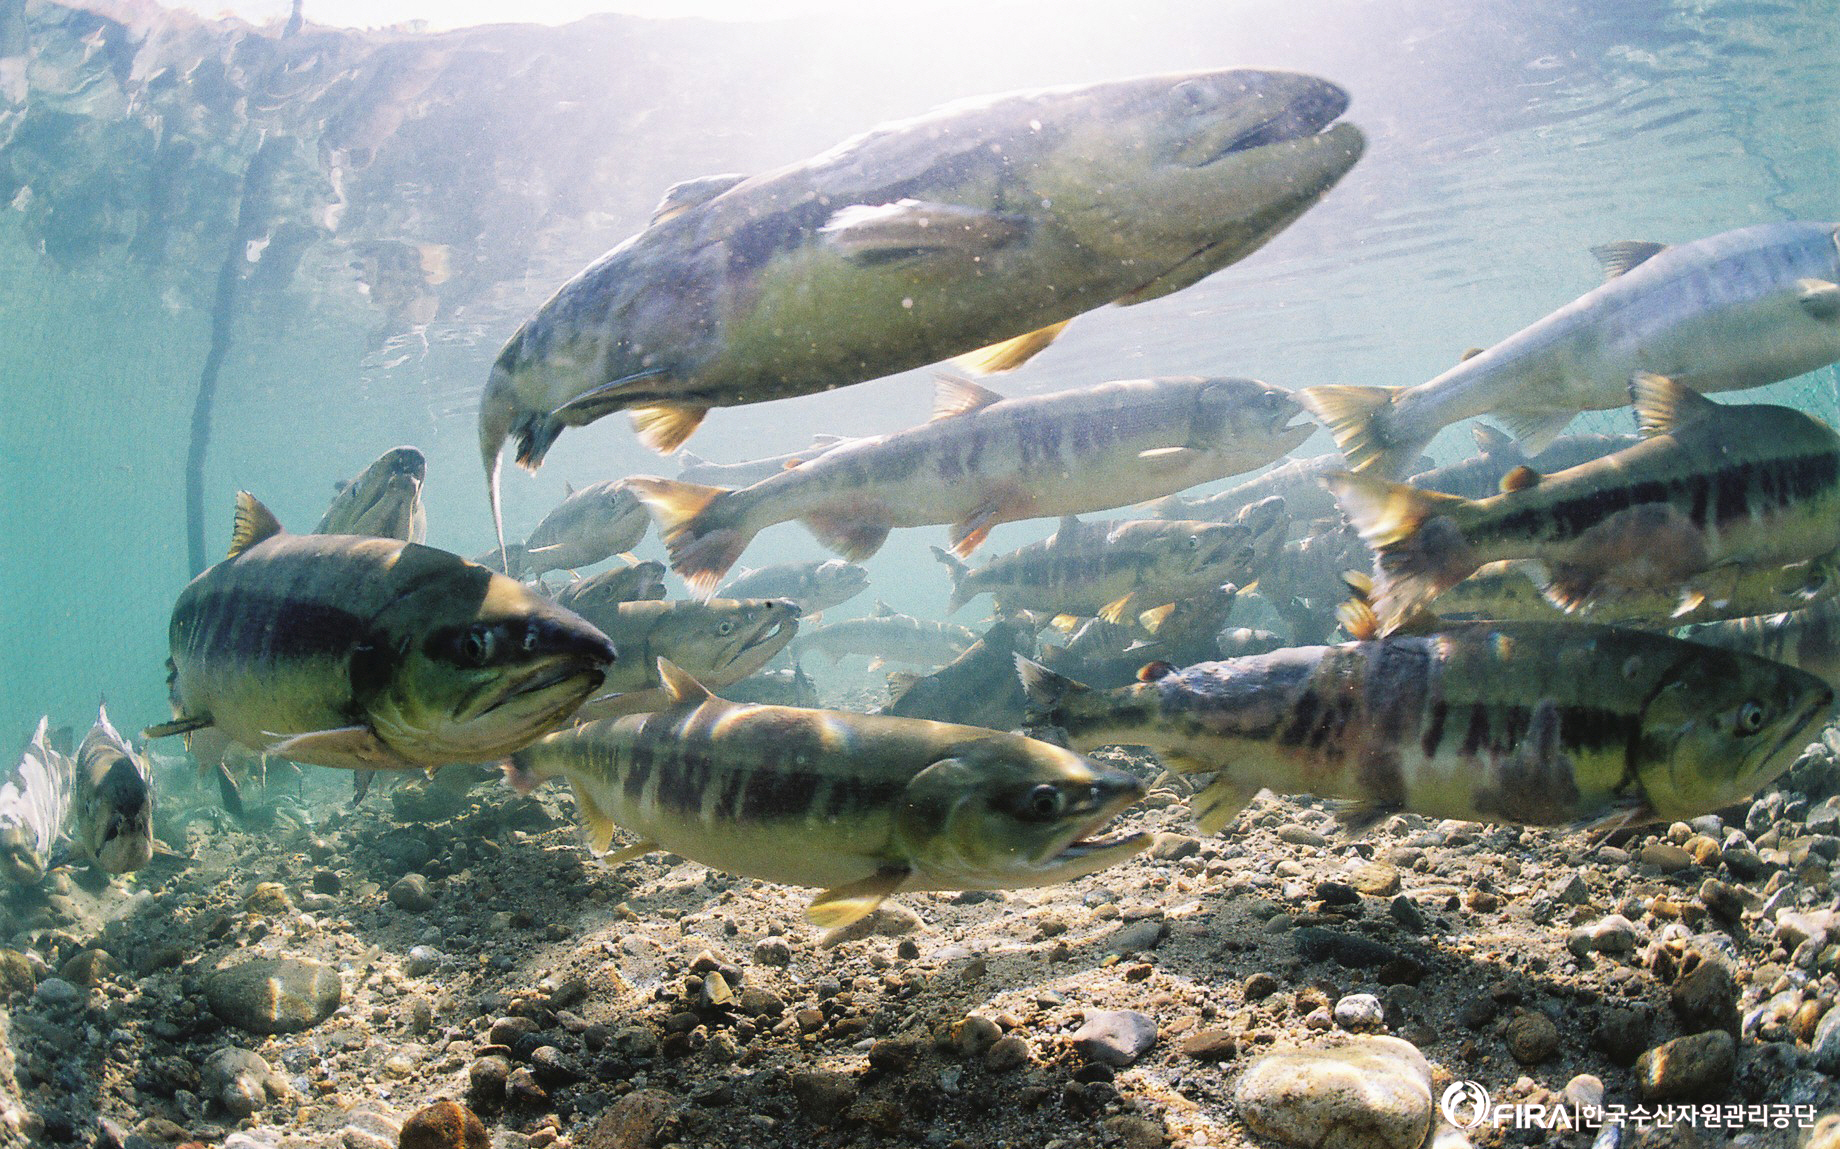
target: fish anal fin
<point>1010,353</point>
<point>184,724</point>
<point>1219,802</point>
<point>1153,619</point>
<point>626,854</point>
<point>665,426</point>
<point>254,523</point>
<point>843,905</point>
<point>1617,258</point>
<point>1819,298</point>
<point>1489,440</point>
<point>850,535</point>
<point>1664,405</point>
<point>953,395</point>
<point>1534,430</point>
<point>683,688</point>
<point>970,532</point>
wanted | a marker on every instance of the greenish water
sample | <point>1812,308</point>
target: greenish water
<point>1505,139</point>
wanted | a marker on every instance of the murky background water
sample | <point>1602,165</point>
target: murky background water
<point>425,193</point>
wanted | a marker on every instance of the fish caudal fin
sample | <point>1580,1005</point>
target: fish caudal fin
<point>697,526</point>
<point>1360,419</point>
<point>1420,551</point>
<point>664,427</point>
<point>852,536</point>
<point>958,570</point>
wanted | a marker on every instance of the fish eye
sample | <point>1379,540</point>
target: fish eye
<point>1045,802</point>
<point>479,645</point>
<point>1194,542</point>
<point>1750,718</point>
<point>531,638</point>
<point>725,627</point>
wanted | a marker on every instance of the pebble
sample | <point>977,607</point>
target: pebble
<point>89,967</point>
<point>772,952</point>
<point>1665,856</point>
<point>1259,986</point>
<point>1363,1093</point>
<point>444,1125</point>
<point>16,974</point>
<point>1350,950</point>
<point>1115,1036</point>
<point>889,919</point>
<point>1585,1091</point>
<point>410,894</point>
<point>269,898</point>
<point>1377,879</point>
<point>973,1036</point>
<point>274,995</point>
<point>1693,1068</point>
<point>1824,1049</point>
<point>486,1079</point>
<point>422,961</point>
<point>55,991</point>
<point>1012,1051</point>
<point>1137,936</point>
<point>1167,847</point>
<point>1301,836</point>
<point>1360,1013</point>
<point>1614,935</point>
<point>241,1081</point>
<point>1531,1037</point>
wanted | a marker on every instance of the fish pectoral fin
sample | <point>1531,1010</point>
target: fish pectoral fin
<point>1627,813</point>
<point>1534,430</point>
<point>664,426</point>
<point>911,228</point>
<point>970,532</point>
<point>1011,353</point>
<point>1819,298</point>
<point>628,853</point>
<point>1617,258</point>
<point>613,395</point>
<point>184,724</point>
<point>1219,802</point>
<point>1170,458</point>
<point>850,535</point>
<point>842,905</point>
<point>352,747</point>
<point>1114,611</point>
<point>1356,818</point>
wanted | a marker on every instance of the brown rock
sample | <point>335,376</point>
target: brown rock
<point>1706,997</point>
<point>823,1096</point>
<point>1698,1067</point>
<point>1137,1132</point>
<point>269,898</point>
<point>1376,879</point>
<point>16,975</point>
<point>88,967</point>
<point>1010,1052</point>
<point>1532,1037</point>
<point>636,1121</point>
<point>443,1125</point>
<point>1210,1045</point>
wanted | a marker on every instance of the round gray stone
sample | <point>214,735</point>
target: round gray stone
<point>1115,1036</point>
<point>1360,1093</point>
<point>274,995</point>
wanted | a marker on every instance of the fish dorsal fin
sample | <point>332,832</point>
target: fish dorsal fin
<point>1519,479</point>
<point>678,683</point>
<point>568,489</point>
<point>956,396</point>
<point>1663,405</point>
<point>1490,441</point>
<point>254,522</point>
<point>1066,532</point>
<point>683,195</point>
<point>1470,353</point>
<point>1043,686</point>
<point>882,610</point>
<point>1622,255</point>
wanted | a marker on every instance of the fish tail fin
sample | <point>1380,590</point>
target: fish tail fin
<point>700,526</point>
<point>958,570</point>
<point>495,416</point>
<point>1419,549</point>
<point>1361,420</point>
